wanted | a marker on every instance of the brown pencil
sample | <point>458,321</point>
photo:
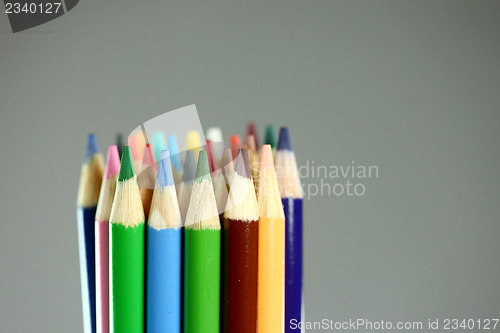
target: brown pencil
<point>240,261</point>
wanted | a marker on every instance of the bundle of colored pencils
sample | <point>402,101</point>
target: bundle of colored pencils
<point>205,241</point>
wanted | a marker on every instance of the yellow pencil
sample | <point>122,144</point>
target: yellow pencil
<point>271,274</point>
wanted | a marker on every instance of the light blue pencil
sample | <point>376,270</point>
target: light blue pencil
<point>164,254</point>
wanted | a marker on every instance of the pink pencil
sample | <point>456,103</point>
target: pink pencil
<point>101,238</point>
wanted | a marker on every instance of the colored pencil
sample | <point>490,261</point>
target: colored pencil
<point>137,152</point>
<point>164,254</point>
<point>202,256</point>
<point>235,144</point>
<point>270,299</point>
<point>119,143</point>
<point>227,166</point>
<point>270,138</point>
<point>88,196</point>
<point>146,178</point>
<point>175,158</point>
<point>240,239</point>
<point>252,130</point>
<point>253,155</point>
<point>193,142</point>
<point>127,250</point>
<point>215,135</point>
<point>186,187</point>
<point>220,188</point>
<point>102,238</point>
<point>159,144</point>
<point>291,196</point>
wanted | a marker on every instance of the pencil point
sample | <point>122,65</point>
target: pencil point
<point>149,157</point>
<point>159,144</point>
<point>92,145</point>
<point>127,165</point>
<point>135,147</point>
<point>284,140</point>
<point>119,143</point>
<point>189,167</point>
<point>266,160</point>
<point>173,148</point>
<point>214,134</point>
<point>213,162</point>
<point>270,136</point>
<point>235,144</point>
<point>165,177</point>
<point>113,162</point>
<point>193,140</point>
<point>242,166</point>
<point>202,170</point>
<point>250,143</point>
<point>252,130</point>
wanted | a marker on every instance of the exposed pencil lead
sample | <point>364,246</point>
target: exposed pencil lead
<point>135,147</point>
<point>284,140</point>
<point>189,167</point>
<point>174,152</point>
<point>92,146</point>
<point>266,160</point>
<point>202,170</point>
<point>149,157</point>
<point>113,163</point>
<point>252,130</point>
<point>165,177</point>
<point>213,162</point>
<point>270,136</point>
<point>214,134</point>
<point>159,144</point>
<point>242,166</point>
<point>127,165</point>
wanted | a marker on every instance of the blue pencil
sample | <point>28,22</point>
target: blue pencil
<point>88,196</point>
<point>176,158</point>
<point>164,254</point>
<point>291,196</point>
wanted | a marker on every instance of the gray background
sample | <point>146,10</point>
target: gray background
<point>410,86</point>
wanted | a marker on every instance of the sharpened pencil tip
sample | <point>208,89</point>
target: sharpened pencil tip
<point>242,166</point>
<point>127,165</point>
<point>159,144</point>
<point>252,130</point>
<point>189,167</point>
<point>266,160</point>
<point>135,147</point>
<point>214,134</point>
<point>270,136</point>
<point>202,170</point>
<point>174,152</point>
<point>119,143</point>
<point>250,143</point>
<point>149,156</point>
<point>212,161</point>
<point>92,145</point>
<point>193,140</point>
<point>165,177</point>
<point>284,140</point>
<point>113,162</point>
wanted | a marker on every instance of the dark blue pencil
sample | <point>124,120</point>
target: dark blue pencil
<point>88,196</point>
<point>291,196</point>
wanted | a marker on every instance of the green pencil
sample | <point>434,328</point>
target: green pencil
<point>126,241</point>
<point>202,256</point>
